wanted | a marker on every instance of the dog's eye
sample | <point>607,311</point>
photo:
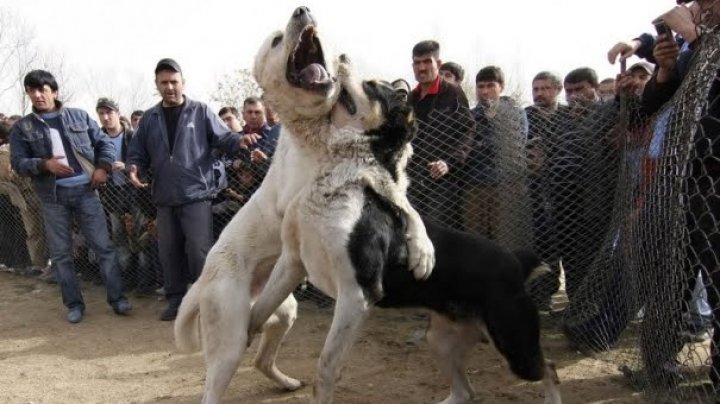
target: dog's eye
<point>276,40</point>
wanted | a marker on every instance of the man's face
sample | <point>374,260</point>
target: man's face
<point>254,115</point>
<point>640,77</point>
<point>545,93</point>
<point>170,85</point>
<point>449,77</point>
<point>231,121</point>
<point>580,94</point>
<point>488,92</point>
<point>426,68</point>
<point>109,119</point>
<point>135,121</point>
<point>606,90</point>
<point>42,99</point>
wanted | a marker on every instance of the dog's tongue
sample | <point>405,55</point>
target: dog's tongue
<point>314,73</point>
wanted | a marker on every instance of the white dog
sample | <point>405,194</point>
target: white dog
<point>304,86</point>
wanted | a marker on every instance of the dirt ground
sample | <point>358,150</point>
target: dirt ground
<point>111,359</point>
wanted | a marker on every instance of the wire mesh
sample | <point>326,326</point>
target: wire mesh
<point>622,205</point>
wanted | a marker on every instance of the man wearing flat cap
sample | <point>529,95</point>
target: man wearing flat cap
<point>119,196</point>
<point>175,139</point>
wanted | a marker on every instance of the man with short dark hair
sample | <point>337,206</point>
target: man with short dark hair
<point>230,116</point>
<point>228,200</point>
<point>444,138</point>
<point>135,119</point>
<point>452,73</point>
<point>263,146</point>
<point>175,139</point>
<point>543,114</point>
<point>606,89</point>
<point>67,156</point>
<point>254,162</point>
<point>580,198</point>
<point>544,119</point>
<point>498,121</point>
<point>581,88</point>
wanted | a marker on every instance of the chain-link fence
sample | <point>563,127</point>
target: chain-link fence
<point>620,201</point>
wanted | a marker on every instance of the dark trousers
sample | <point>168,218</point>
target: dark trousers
<point>571,235</point>
<point>184,239</point>
<point>80,204</point>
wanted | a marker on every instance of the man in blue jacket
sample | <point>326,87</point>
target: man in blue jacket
<point>68,158</point>
<point>175,140</point>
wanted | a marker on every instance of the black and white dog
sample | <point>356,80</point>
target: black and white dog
<point>350,240</point>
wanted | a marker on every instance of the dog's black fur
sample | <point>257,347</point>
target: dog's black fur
<point>474,279</point>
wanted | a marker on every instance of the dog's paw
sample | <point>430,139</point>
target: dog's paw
<point>421,256</point>
<point>291,384</point>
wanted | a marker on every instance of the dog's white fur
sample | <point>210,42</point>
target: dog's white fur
<point>315,233</point>
<point>215,313</point>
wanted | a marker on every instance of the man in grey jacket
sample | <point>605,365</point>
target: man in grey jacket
<point>174,141</point>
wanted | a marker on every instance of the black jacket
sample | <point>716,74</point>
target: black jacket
<point>445,128</point>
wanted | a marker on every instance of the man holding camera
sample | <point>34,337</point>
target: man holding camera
<point>700,198</point>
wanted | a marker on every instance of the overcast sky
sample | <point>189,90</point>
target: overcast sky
<point>211,37</point>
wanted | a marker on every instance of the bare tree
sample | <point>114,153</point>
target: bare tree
<point>131,90</point>
<point>515,86</point>
<point>19,54</point>
<point>139,94</point>
<point>468,87</point>
<point>233,88</point>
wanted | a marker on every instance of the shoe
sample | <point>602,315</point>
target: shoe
<point>48,275</point>
<point>74,316</point>
<point>122,307</point>
<point>169,314</point>
<point>667,376</point>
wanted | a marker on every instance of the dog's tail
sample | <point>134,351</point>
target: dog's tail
<point>532,265</point>
<point>187,322</point>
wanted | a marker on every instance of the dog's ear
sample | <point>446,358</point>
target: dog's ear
<point>384,94</point>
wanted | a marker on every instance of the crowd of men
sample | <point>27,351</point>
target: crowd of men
<point>134,204</point>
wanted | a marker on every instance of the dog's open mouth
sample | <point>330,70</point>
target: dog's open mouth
<point>306,64</point>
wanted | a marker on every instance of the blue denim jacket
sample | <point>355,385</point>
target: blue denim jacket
<point>30,144</point>
<point>184,174</point>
